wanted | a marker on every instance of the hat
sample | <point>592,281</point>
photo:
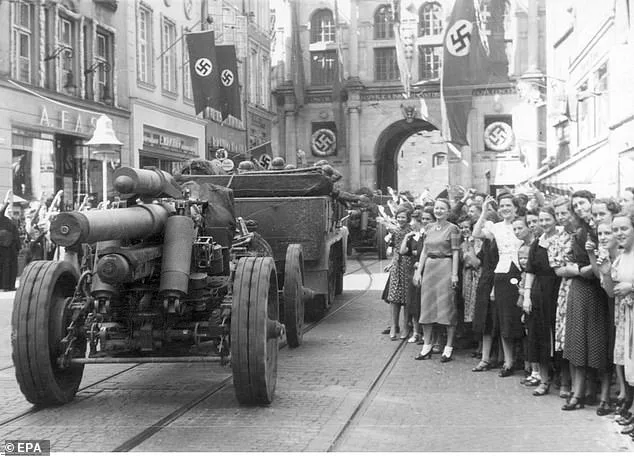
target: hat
<point>277,163</point>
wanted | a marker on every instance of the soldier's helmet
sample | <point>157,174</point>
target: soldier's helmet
<point>245,165</point>
<point>290,166</point>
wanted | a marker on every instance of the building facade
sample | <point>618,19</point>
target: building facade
<point>591,102</point>
<point>339,94</point>
<point>61,67</point>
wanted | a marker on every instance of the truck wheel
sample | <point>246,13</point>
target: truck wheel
<point>380,241</point>
<point>294,295</point>
<point>40,318</point>
<point>255,330</point>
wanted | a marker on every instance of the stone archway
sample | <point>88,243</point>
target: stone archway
<point>388,145</point>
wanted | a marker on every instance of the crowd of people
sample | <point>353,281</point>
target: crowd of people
<point>545,285</point>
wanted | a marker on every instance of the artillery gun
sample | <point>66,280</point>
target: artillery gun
<point>171,280</point>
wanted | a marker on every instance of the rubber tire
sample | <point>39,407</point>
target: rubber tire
<point>294,295</point>
<point>381,246</point>
<point>254,349</point>
<point>39,323</point>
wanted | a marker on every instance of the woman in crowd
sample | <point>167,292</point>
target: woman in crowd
<point>470,247</point>
<point>541,289</point>
<point>438,267</point>
<point>506,293</point>
<point>9,247</point>
<point>618,280</point>
<point>400,273</point>
<point>412,246</point>
<point>587,318</point>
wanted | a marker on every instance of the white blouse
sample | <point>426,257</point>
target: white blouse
<point>508,245</point>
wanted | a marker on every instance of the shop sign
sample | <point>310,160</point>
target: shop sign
<point>170,141</point>
<point>70,121</point>
<point>215,142</point>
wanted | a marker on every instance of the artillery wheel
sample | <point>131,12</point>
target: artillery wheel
<point>294,295</point>
<point>254,330</point>
<point>39,321</point>
<point>380,241</point>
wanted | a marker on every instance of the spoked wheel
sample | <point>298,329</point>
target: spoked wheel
<point>294,295</point>
<point>40,318</point>
<point>255,330</point>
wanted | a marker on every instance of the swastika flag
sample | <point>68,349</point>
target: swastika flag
<point>204,70</point>
<point>229,86</point>
<point>466,66</point>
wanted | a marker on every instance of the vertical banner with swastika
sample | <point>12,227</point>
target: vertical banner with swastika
<point>229,86</point>
<point>465,67</point>
<point>204,71</point>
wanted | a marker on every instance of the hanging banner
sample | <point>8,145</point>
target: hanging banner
<point>229,85</point>
<point>204,70</point>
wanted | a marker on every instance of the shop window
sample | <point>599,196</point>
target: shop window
<point>67,59</point>
<point>385,65</point>
<point>323,67</point>
<point>22,35</point>
<point>430,19</point>
<point>144,45</point>
<point>429,58</point>
<point>383,23</point>
<point>168,59</point>
<point>322,27</point>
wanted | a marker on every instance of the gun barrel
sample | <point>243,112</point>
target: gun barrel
<point>137,222</point>
<point>145,182</point>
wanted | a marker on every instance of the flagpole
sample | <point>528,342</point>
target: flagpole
<point>247,82</point>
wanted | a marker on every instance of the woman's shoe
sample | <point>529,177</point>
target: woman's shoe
<point>573,403</point>
<point>435,348</point>
<point>542,389</point>
<point>482,366</point>
<point>628,429</point>
<point>447,355</point>
<point>425,353</point>
<point>625,421</point>
<point>393,334</point>
<point>565,392</point>
<point>506,372</point>
<point>604,409</point>
<point>415,338</point>
<point>532,381</point>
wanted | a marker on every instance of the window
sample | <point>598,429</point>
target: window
<point>429,58</point>
<point>103,61</point>
<point>22,41</point>
<point>439,159</point>
<point>187,80</point>
<point>592,107</point>
<point>168,61</point>
<point>323,67</point>
<point>430,20</point>
<point>383,23</point>
<point>322,27</point>
<point>144,46</point>
<point>487,16</point>
<point>67,37</point>
<point>385,66</point>
<point>602,113</point>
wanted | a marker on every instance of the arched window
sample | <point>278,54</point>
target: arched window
<point>438,160</point>
<point>430,19</point>
<point>322,27</point>
<point>383,23</point>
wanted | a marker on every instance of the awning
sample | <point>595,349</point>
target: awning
<point>591,169</point>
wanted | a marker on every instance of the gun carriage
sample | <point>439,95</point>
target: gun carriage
<point>298,215</point>
<point>170,279</point>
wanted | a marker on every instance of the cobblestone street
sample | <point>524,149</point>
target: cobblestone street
<point>415,406</point>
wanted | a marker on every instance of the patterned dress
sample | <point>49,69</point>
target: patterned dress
<point>622,272</point>
<point>401,272</point>
<point>558,257</point>
<point>438,304</point>
<point>587,314</point>
<point>470,277</point>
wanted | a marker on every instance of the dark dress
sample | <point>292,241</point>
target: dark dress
<point>9,248</point>
<point>544,292</point>
<point>485,313</point>
<point>414,248</point>
<point>587,314</point>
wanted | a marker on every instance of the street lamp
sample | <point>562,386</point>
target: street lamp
<point>106,148</point>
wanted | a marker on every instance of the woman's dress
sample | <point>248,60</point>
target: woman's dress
<point>587,314</point>
<point>623,271</point>
<point>401,272</point>
<point>485,319</point>
<point>507,276</point>
<point>470,277</point>
<point>544,291</point>
<point>438,303</point>
<point>558,256</point>
<point>414,248</point>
